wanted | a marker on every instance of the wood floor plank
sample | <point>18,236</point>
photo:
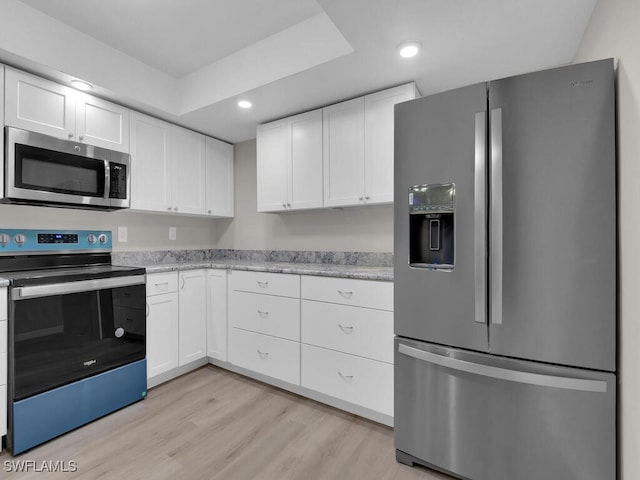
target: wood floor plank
<point>212,424</point>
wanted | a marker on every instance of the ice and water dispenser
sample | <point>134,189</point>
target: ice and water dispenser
<point>431,226</point>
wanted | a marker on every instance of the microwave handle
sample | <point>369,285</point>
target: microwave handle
<point>107,179</point>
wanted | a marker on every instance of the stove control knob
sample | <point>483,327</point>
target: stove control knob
<point>102,238</point>
<point>4,239</point>
<point>19,238</point>
<point>92,239</point>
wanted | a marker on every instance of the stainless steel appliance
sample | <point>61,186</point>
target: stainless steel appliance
<point>505,277</point>
<point>44,170</point>
<point>76,332</point>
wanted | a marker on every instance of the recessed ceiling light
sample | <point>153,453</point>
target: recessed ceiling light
<point>409,49</point>
<point>80,85</point>
<point>244,104</point>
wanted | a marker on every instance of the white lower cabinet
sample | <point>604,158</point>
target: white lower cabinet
<point>271,356</point>
<point>3,363</point>
<point>355,379</point>
<point>162,323</point>
<point>192,316</point>
<point>217,314</point>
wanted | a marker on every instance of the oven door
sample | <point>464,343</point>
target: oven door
<point>63,332</point>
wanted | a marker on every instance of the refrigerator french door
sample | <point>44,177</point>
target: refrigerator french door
<point>506,352</point>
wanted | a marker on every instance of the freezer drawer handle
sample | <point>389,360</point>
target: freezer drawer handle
<point>529,378</point>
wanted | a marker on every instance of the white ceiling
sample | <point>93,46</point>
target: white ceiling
<point>189,61</point>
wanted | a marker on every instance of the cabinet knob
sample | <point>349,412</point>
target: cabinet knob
<point>169,208</point>
<point>360,198</point>
<point>284,205</point>
<point>81,138</point>
<point>209,212</point>
<point>70,134</point>
<point>288,205</point>
<point>175,209</point>
<point>367,197</point>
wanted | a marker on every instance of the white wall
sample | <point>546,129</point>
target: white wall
<point>365,229</point>
<point>614,32</point>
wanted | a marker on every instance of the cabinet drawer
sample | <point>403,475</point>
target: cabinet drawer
<point>267,355</point>
<point>277,316</point>
<point>360,331</point>
<point>159,283</point>
<point>3,352</point>
<point>3,304</point>
<point>270,283</point>
<point>346,291</point>
<point>358,380</point>
<point>3,410</point>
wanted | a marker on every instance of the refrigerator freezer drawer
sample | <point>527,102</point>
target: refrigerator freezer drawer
<point>490,418</point>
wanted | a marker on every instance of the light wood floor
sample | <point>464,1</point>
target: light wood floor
<point>214,424</point>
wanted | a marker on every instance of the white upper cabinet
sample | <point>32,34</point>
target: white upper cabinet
<point>150,163</point>
<point>378,146</point>
<point>289,156</point>
<point>35,104</point>
<point>219,178</point>
<point>358,148</point>
<point>272,152</point>
<point>343,152</point>
<point>102,123</point>
<point>188,177</point>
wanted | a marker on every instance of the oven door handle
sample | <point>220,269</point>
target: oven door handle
<point>24,293</point>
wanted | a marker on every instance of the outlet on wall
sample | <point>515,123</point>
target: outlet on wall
<point>122,234</point>
<point>172,233</point>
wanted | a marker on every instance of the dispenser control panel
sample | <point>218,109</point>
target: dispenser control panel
<point>431,224</point>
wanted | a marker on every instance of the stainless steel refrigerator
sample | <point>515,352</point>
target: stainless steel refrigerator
<point>505,277</point>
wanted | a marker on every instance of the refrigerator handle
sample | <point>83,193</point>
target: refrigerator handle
<point>495,215</point>
<point>507,374</point>
<point>480,220</point>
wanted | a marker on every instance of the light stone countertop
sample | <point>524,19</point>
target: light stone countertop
<point>4,282</point>
<point>325,270</point>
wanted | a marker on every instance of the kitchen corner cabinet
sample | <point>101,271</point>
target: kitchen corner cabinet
<point>39,105</point>
<point>358,148</point>
<point>219,178</point>
<point>192,316</point>
<point>289,163</point>
<point>217,314</point>
<point>162,323</point>
<point>175,170</point>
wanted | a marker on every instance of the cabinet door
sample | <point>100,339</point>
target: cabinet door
<point>188,171</point>
<point>305,163</point>
<point>219,184</point>
<point>150,163</point>
<point>39,105</point>
<point>378,153</point>
<point>343,153</point>
<point>273,152</point>
<point>193,316</point>
<point>217,314</point>
<point>101,123</point>
<point>162,333</point>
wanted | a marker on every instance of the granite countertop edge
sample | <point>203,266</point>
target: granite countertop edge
<point>317,269</point>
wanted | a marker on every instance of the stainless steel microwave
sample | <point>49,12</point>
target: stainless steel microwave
<point>44,170</point>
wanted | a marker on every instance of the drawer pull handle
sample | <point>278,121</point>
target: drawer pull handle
<point>146,313</point>
<point>263,284</point>
<point>263,314</point>
<point>346,378</point>
<point>348,329</point>
<point>345,294</point>
<point>263,355</point>
<point>162,283</point>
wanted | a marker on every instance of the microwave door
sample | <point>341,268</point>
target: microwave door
<point>36,174</point>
